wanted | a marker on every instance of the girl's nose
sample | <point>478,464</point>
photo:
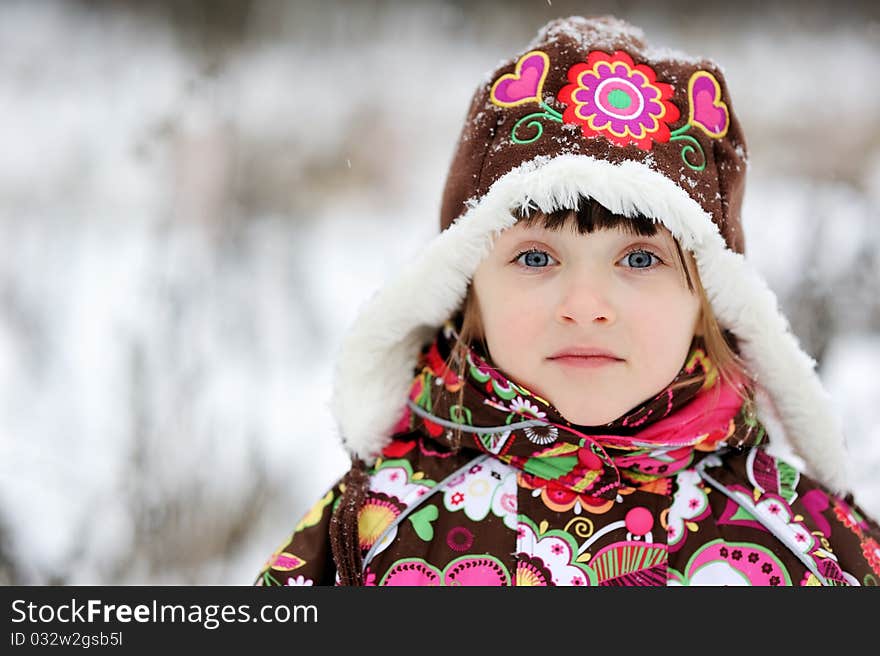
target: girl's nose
<point>585,300</point>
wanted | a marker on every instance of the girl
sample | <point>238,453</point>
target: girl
<point>582,381</point>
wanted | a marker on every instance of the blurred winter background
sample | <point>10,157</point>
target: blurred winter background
<point>196,197</point>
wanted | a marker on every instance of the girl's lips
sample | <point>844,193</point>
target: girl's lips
<point>586,362</point>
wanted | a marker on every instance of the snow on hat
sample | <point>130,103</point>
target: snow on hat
<point>588,109</point>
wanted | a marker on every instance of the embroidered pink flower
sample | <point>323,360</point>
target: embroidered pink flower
<point>611,96</point>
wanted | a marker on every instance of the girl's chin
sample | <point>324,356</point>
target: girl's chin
<point>589,417</point>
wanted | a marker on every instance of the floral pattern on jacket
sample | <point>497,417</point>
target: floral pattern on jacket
<point>522,497</point>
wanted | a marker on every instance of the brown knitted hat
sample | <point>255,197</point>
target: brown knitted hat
<point>592,87</point>
<point>587,109</point>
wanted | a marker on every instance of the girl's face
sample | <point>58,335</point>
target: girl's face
<point>542,292</point>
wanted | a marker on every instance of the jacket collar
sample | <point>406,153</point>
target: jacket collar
<point>486,411</point>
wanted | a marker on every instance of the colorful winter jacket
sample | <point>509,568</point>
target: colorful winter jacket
<point>487,484</point>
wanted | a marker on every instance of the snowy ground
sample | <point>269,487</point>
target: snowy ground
<point>186,244</point>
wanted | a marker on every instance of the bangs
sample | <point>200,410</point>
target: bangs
<point>589,216</point>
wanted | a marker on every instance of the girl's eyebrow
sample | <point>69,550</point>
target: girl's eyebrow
<point>660,237</point>
<point>538,234</point>
<point>657,241</point>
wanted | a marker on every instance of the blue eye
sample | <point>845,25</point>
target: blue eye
<point>533,258</point>
<point>640,259</point>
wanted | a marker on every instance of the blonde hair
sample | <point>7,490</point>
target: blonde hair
<point>720,344</point>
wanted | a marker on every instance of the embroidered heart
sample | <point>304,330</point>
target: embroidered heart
<point>707,110</point>
<point>421,522</point>
<point>525,84</point>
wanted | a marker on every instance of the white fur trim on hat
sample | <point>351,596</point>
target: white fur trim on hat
<point>377,358</point>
